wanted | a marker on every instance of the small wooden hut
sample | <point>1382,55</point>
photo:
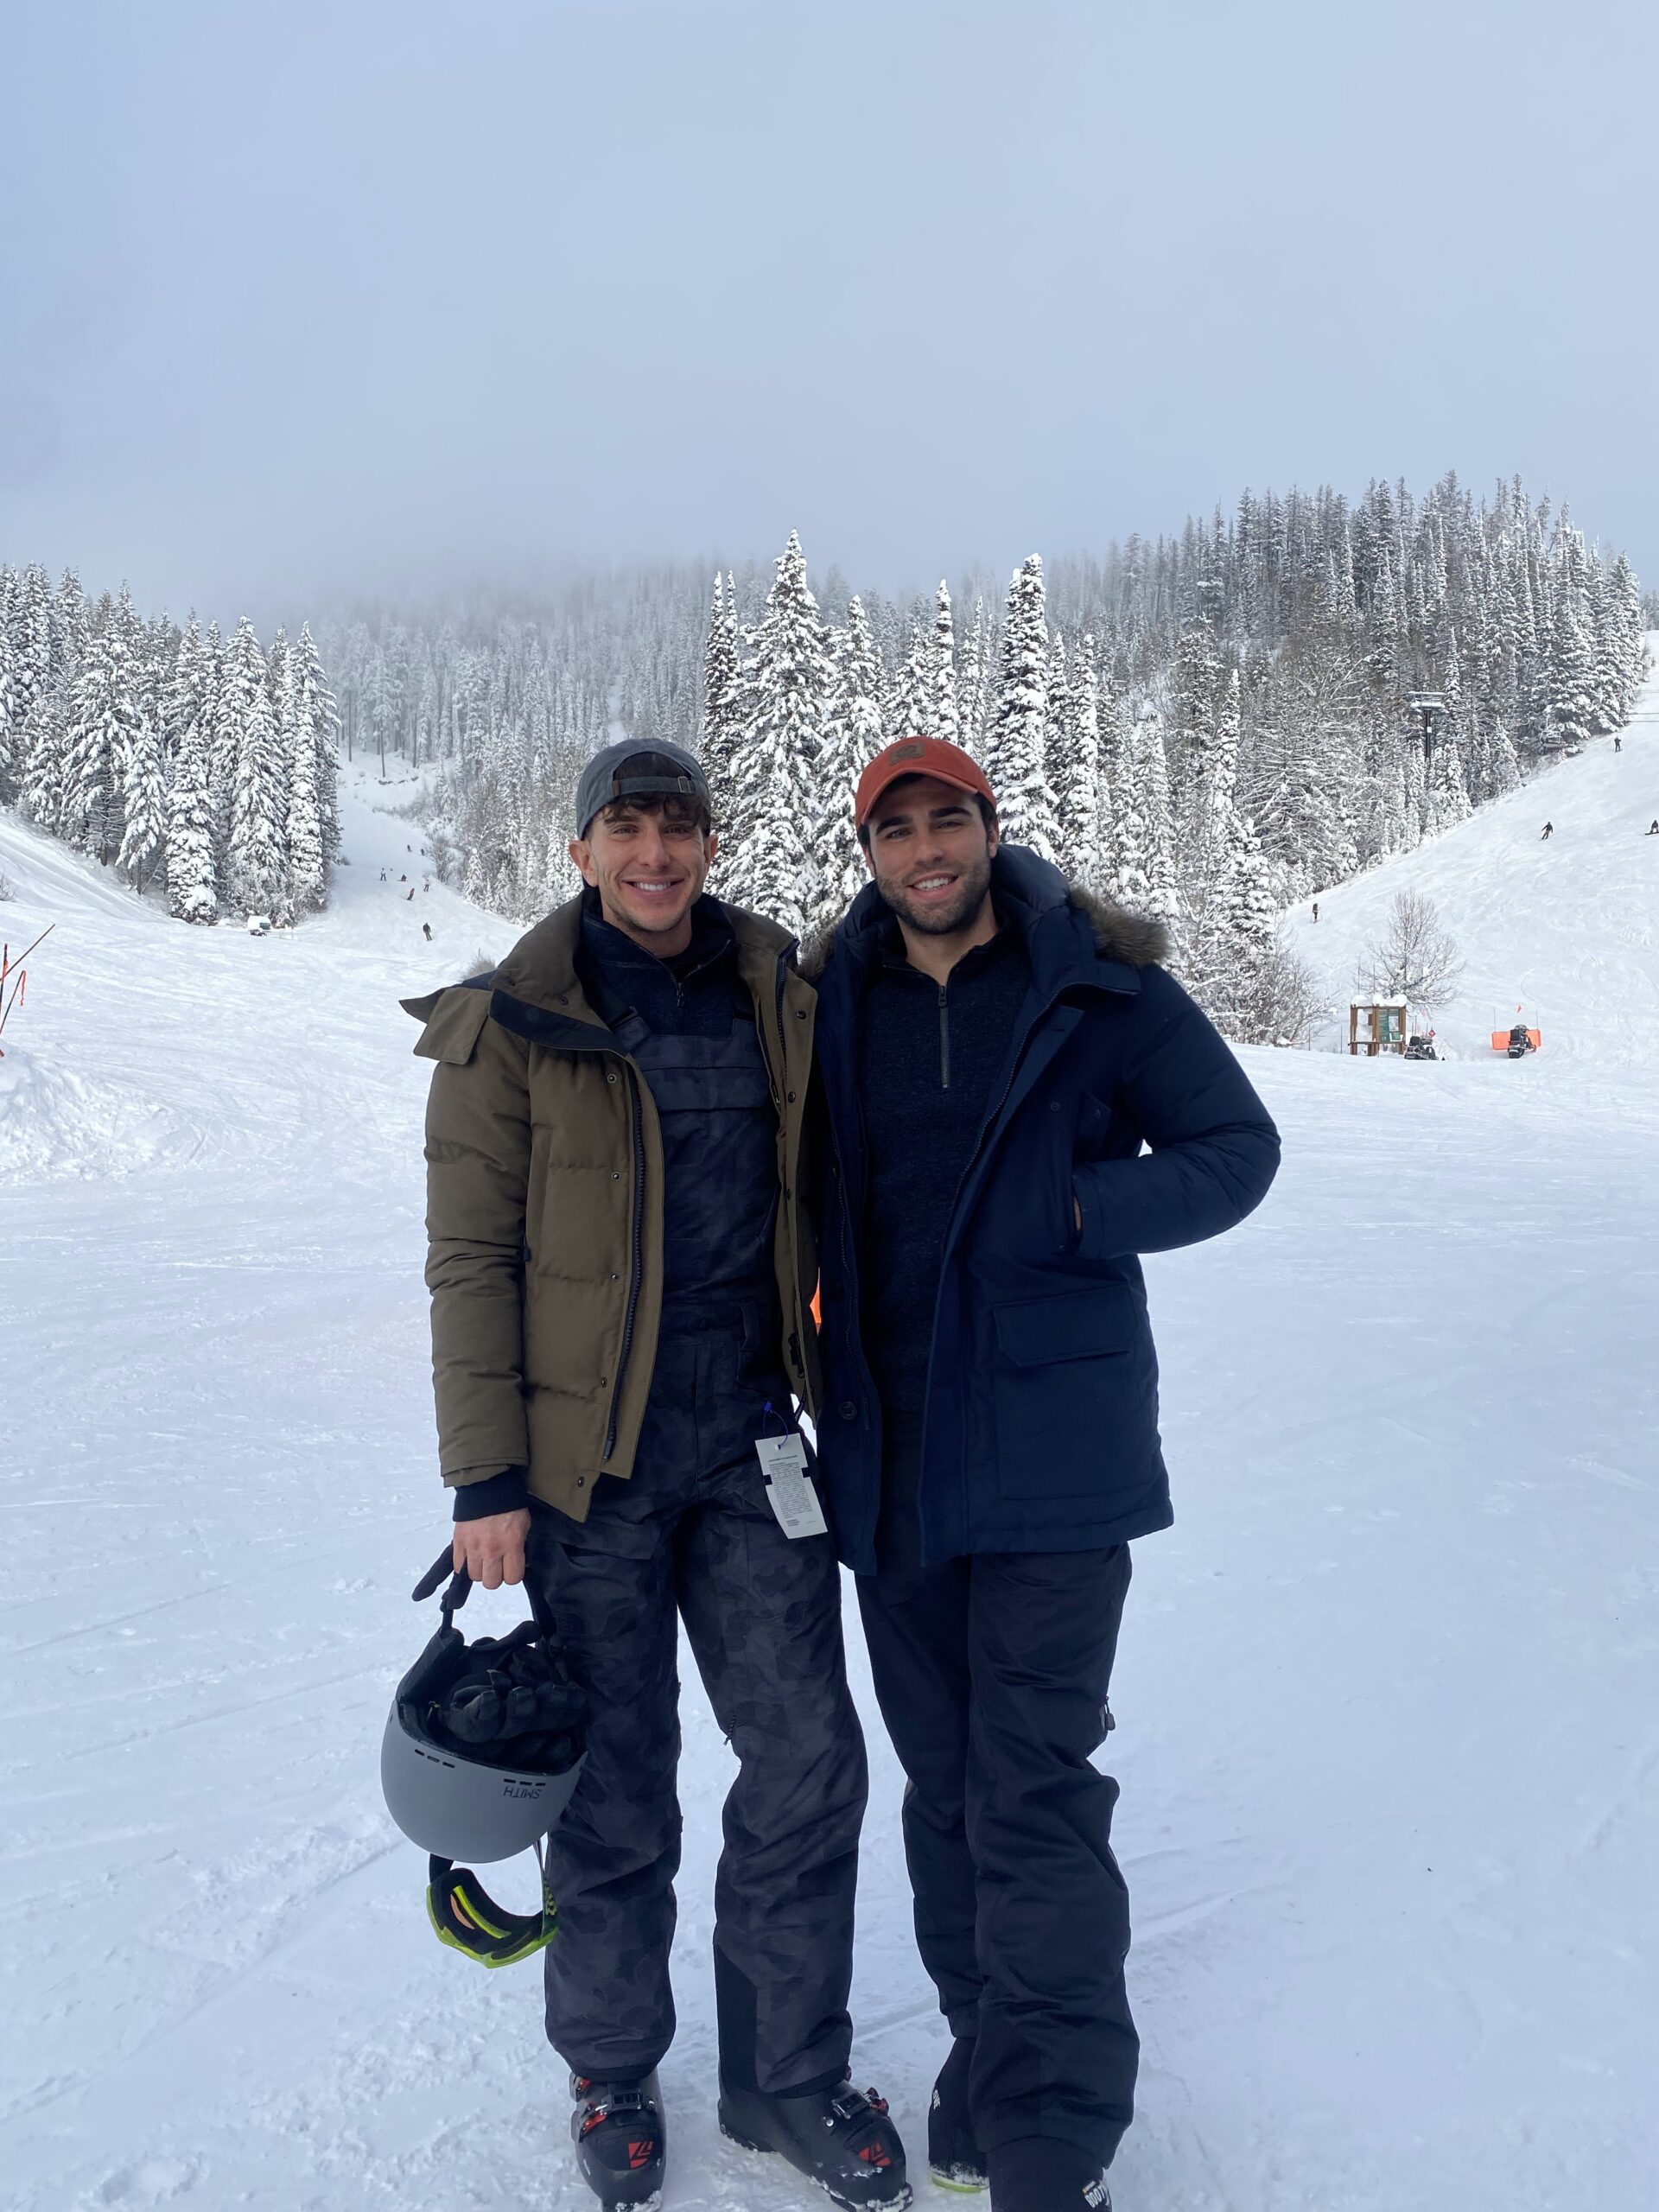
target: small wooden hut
<point>1377,1025</point>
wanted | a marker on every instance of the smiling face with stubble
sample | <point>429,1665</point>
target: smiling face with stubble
<point>929,849</point>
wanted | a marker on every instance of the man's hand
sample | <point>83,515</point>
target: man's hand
<point>493,1550</point>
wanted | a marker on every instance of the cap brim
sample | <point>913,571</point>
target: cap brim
<point>924,772</point>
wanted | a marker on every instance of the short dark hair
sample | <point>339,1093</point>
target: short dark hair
<point>669,805</point>
<point>987,811</point>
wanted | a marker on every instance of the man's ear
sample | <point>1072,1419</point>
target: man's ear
<point>711,846</point>
<point>993,837</point>
<point>581,860</point>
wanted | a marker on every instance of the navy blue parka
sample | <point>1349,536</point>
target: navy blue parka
<point>1040,1425</point>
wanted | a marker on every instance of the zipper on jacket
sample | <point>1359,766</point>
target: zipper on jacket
<point>945,1037</point>
<point>798,1319</point>
<point>635,1262</point>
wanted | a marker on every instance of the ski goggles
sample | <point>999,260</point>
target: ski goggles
<point>467,1917</point>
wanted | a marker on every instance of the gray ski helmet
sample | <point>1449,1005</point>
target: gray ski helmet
<point>460,1809</point>
<point>481,1753</point>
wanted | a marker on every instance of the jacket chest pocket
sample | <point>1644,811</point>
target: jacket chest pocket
<point>1094,1123</point>
<point>1075,1392</point>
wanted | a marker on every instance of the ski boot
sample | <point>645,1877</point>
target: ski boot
<point>1039,2173</point>
<point>954,2158</point>
<point>617,2127</point>
<point>840,2140</point>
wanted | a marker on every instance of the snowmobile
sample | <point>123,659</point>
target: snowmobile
<point>1420,1048</point>
<point>1520,1042</point>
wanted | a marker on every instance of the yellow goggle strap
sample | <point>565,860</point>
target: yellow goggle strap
<point>466,1917</point>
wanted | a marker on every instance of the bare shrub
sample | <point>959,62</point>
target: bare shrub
<point>1413,959</point>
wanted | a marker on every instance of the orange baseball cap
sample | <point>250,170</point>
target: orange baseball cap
<point>920,756</point>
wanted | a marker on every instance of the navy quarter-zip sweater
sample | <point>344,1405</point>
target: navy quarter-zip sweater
<point>930,1055</point>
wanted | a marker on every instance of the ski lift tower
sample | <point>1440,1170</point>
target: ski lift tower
<point>1428,710</point>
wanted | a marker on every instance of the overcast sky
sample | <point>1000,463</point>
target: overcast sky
<point>302,299</point>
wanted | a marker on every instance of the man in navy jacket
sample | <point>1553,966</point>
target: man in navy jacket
<point>996,1049</point>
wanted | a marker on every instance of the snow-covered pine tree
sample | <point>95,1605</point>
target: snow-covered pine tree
<point>192,862</point>
<point>1446,794</point>
<point>560,877</point>
<point>1163,896</point>
<point>45,750</point>
<point>223,726</point>
<point>1626,629</point>
<point>716,749</point>
<point>771,869</point>
<point>1112,727</point>
<point>1132,862</point>
<point>944,715</point>
<point>316,714</point>
<point>1571,716</point>
<point>276,678</point>
<point>1207,827</point>
<point>911,697</point>
<point>1076,774</point>
<point>970,686</point>
<point>306,745</point>
<point>103,715</point>
<point>1016,745</point>
<point>10,712</point>
<point>257,856</point>
<point>143,797</point>
<point>1194,690</point>
<point>69,626</point>
<point>853,735</point>
<point>29,624</point>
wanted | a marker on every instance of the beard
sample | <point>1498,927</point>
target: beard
<point>973,889</point>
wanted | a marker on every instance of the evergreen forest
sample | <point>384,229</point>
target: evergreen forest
<point>1209,726</point>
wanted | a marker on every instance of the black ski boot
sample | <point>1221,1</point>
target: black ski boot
<point>1039,2173</point>
<point>617,2127</point>
<point>954,2158</point>
<point>841,2140</point>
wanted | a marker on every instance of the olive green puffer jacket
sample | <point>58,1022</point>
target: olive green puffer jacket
<point>544,1210</point>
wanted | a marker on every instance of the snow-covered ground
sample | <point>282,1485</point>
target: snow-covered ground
<point>1388,1696</point>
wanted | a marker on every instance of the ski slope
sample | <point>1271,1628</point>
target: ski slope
<point>1566,928</point>
<point>1388,1696</point>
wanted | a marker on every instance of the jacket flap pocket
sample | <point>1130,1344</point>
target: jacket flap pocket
<point>453,1026</point>
<point>1084,1325</point>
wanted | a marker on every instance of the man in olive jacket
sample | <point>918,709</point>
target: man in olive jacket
<point>621,1276</point>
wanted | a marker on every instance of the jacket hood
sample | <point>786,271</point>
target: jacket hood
<point>1029,886</point>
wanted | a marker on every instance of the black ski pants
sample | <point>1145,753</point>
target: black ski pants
<point>690,1537</point>
<point>992,1674</point>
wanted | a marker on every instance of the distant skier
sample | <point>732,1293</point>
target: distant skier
<point>411,891</point>
<point>1549,828</point>
<point>426,931</point>
<point>1653,828</point>
<point>1316,910</point>
<point>1618,745</point>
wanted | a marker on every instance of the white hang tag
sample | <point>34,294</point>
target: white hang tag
<point>789,1487</point>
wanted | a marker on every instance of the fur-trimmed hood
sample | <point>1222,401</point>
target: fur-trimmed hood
<point>1019,878</point>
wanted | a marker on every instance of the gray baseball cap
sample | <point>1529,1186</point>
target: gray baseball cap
<point>634,769</point>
